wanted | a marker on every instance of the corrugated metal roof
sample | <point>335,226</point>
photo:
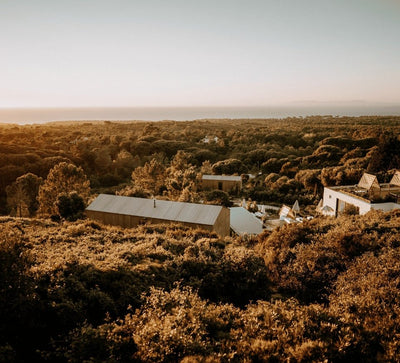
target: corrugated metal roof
<point>222,177</point>
<point>244,222</point>
<point>165,210</point>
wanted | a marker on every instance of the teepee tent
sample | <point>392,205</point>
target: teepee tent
<point>396,179</point>
<point>369,182</point>
<point>296,207</point>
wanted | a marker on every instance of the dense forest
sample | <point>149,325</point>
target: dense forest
<point>291,158</point>
<point>73,290</point>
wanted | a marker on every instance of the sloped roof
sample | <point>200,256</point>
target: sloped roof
<point>222,177</point>
<point>396,179</point>
<point>368,181</point>
<point>164,209</point>
<point>296,206</point>
<point>286,211</point>
<point>244,222</point>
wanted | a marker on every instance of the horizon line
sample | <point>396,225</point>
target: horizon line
<point>305,103</point>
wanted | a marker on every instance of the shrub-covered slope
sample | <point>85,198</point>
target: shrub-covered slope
<point>324,290</point>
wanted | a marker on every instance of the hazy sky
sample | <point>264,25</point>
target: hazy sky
<point>203,52</point>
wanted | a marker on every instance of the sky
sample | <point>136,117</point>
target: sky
<point>127,53</point>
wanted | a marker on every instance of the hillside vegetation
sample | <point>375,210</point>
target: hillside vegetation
<point>291,158</point>
<point>327,289</point>
<point>73,290</point>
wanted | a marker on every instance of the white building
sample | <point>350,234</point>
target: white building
<point>366,195</point>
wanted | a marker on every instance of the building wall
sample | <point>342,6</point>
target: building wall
<point>337,201</point>
<point>221,226</point>
<point>386,207</point>
<point>225,185</point>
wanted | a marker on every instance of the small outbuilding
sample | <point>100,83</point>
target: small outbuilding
<point>286,212</point>
<point>129,212</point>
<point>226,183</point>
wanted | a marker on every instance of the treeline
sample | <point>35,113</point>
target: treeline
<point>291,158</point>
<point>323,290</point>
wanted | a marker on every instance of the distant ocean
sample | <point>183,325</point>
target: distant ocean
<point>42,115</point>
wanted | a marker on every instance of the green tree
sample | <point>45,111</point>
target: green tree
<point>309,178</point>
<point>17,300</point>
<point>150,178</point>
<point>22,195</point>
<point>367,296</point>
<point>229,166</point>
<point>102,160</point>
<point>125,163</point>
<point>218,197</point>
<point>387,155</point>
<point>181,181</point>
<point>70,206</point>
<point>206,167</point>
<point>63,178</point>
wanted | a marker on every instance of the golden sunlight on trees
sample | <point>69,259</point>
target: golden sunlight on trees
<point>229,166</point>
<point>150,177</point>
<point>125,163</point>
<point>324,290</point>
<point>182,179</point>
<point>21,195</point>
<point>63,178</point>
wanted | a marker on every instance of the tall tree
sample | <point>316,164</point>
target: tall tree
<point>63,178</point>
<point>70,206</point>
<point>125,163</point>
<point>22,195</point>
<point>150,177</point>
<point>181,179</point>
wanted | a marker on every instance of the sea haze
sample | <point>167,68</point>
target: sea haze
<point>42,115</point>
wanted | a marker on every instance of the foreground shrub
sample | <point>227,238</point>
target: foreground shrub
<point>367,296</point>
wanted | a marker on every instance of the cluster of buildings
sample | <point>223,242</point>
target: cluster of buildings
<point>208,139</point>
<point>129,212</point>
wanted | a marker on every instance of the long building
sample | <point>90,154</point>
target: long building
<point>129,212</point>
